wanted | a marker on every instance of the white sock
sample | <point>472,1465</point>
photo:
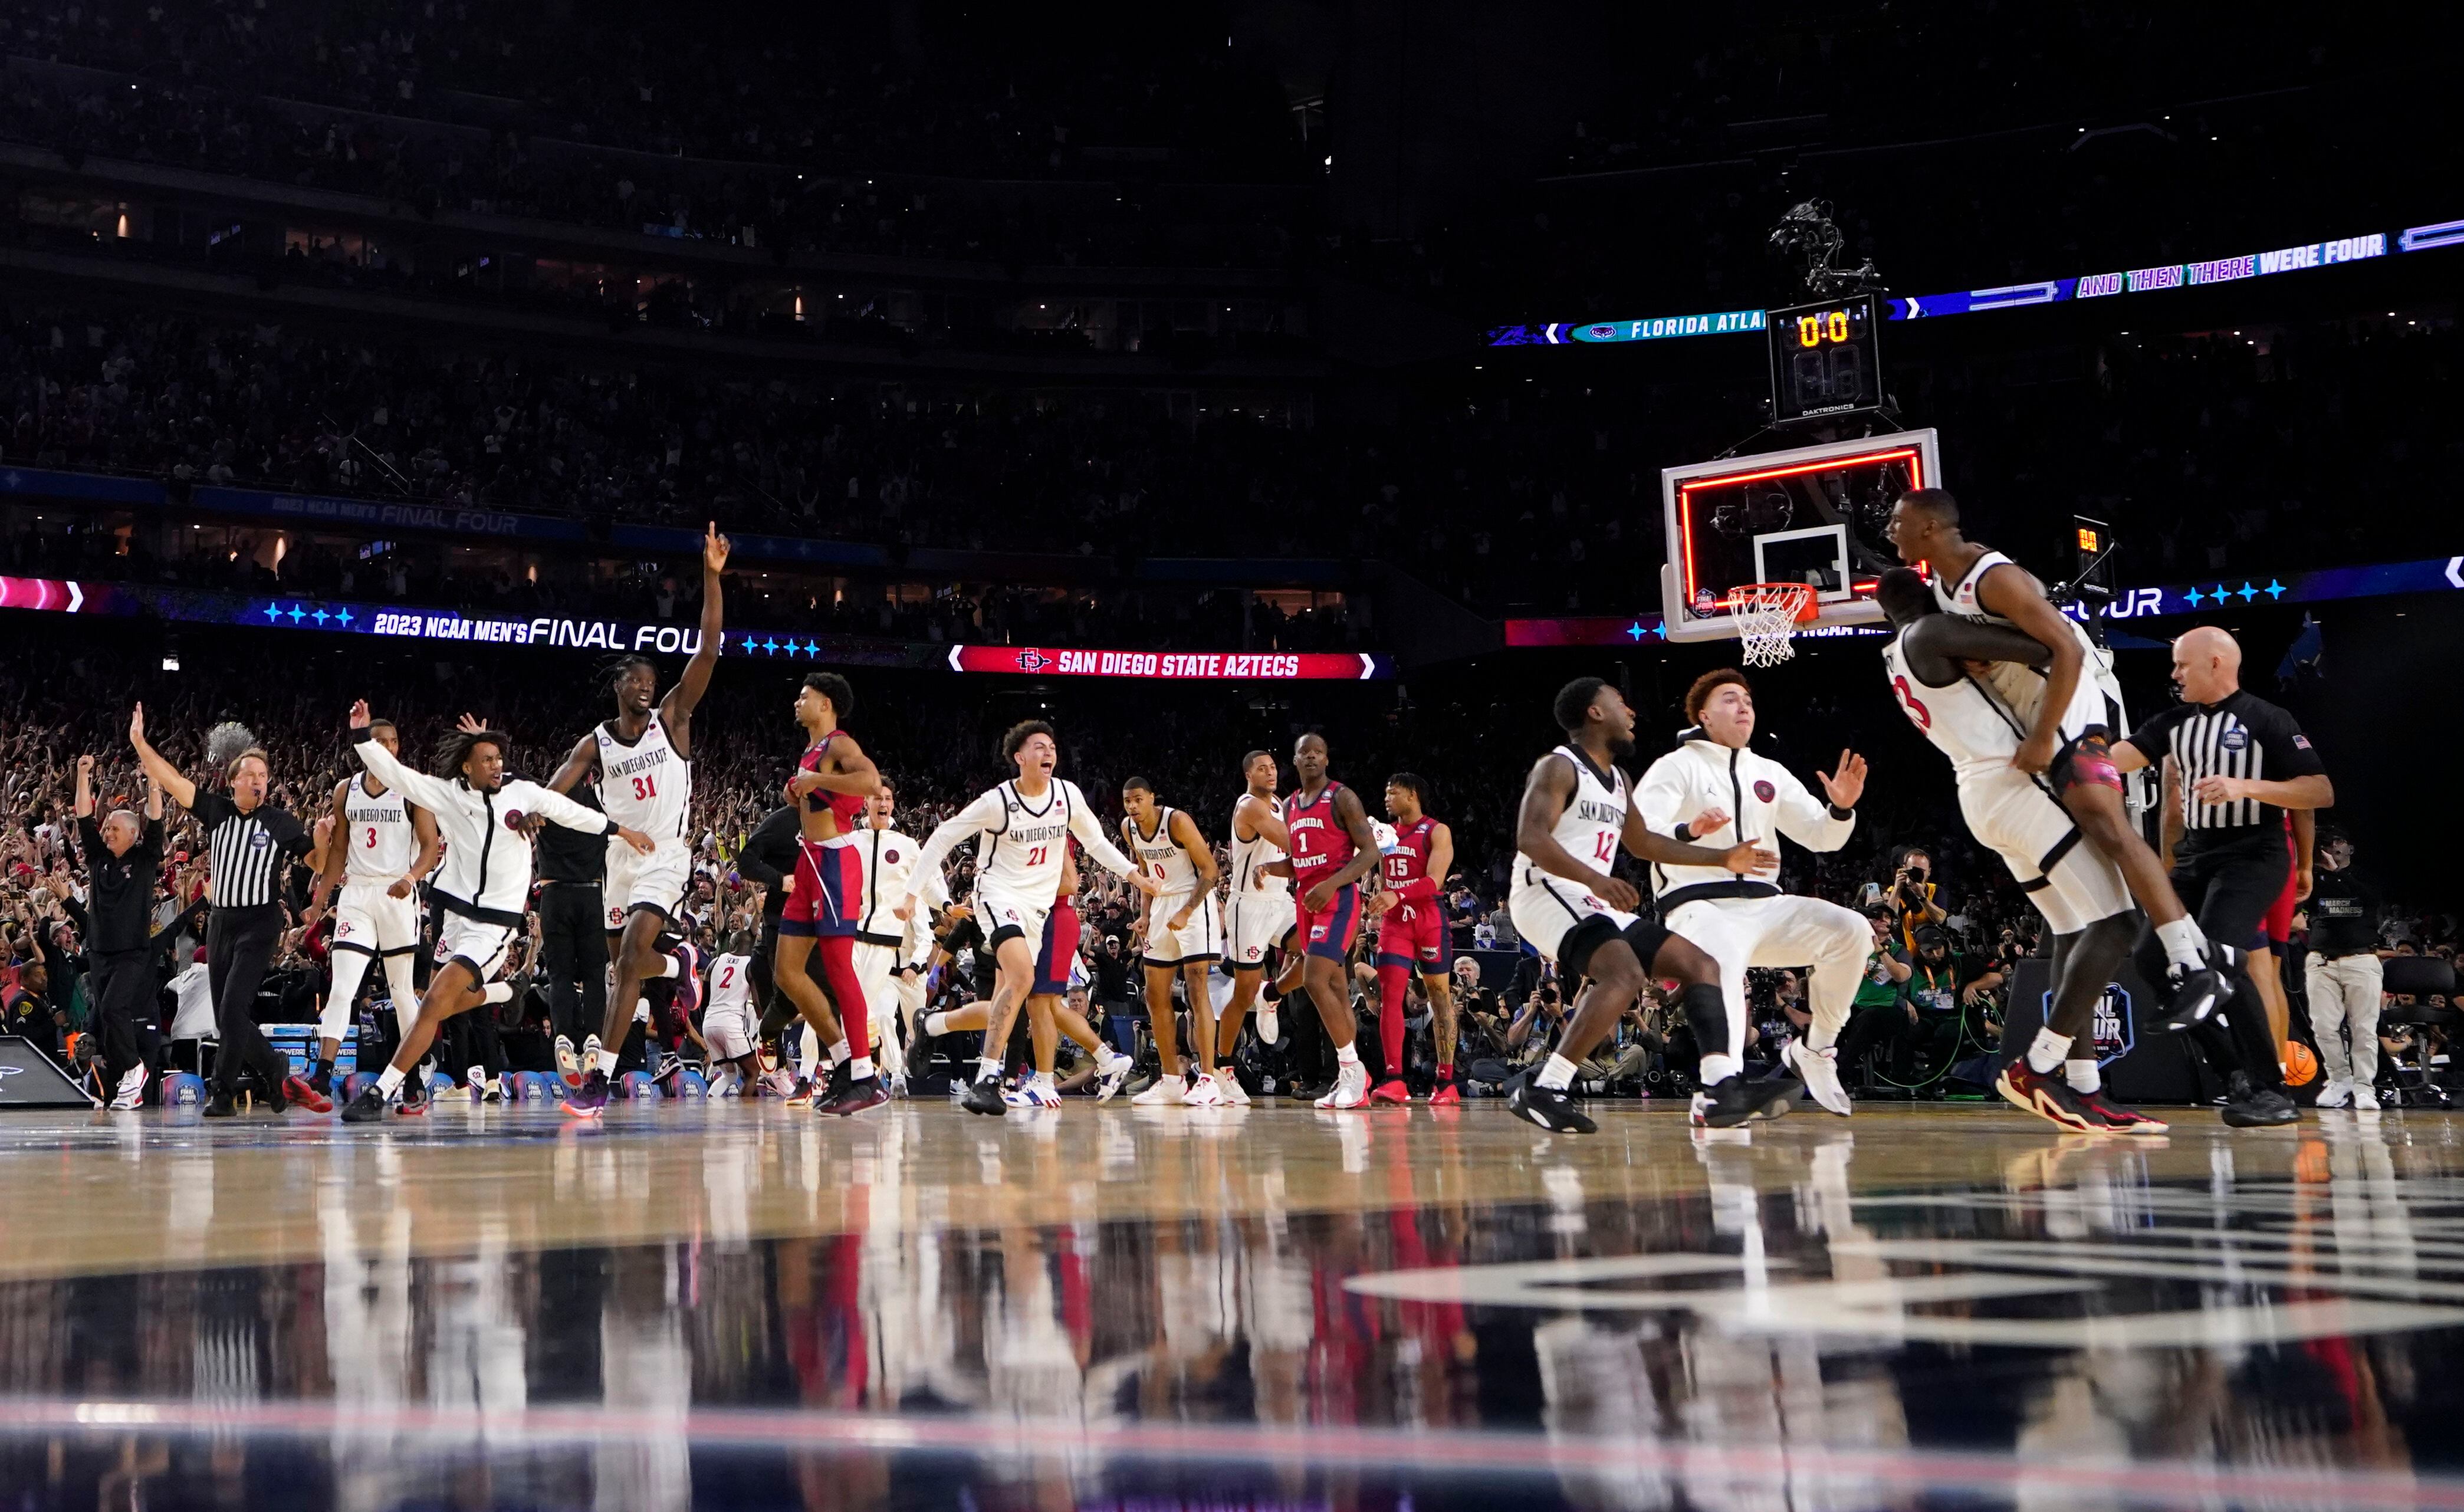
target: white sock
<point>1558,1074</point>
<point>606,1061</point>
<point>2185,946</point>
<point>671,966</point>
<point>839,1053</point>
<point>1043,1079</point>
<point>388,1082</point>
<point>497,993</point>
<point>988,1069</point>
<point>1348,1057</point>
<point>2083,1076</point>
<point>859,1067</point>
<point>1718,1068</point>
<point>2045,1051</point>
<point>937,1022</point>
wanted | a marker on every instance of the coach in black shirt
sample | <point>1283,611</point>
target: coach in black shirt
<point>121,860</point>
<point>250,843</point>
<point>2241,762</point>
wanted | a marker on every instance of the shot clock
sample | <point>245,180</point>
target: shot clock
<point>1825,358</point>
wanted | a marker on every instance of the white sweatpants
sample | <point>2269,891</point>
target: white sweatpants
<point>1781,931</point>
<point>2344,995</point>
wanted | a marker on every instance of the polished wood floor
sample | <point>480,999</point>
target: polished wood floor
<point>741,1304</point>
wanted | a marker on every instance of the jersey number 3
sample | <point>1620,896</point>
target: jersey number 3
<point>1908,701</point>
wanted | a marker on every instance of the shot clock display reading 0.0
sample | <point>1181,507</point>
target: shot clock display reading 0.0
<point>1826,358</point>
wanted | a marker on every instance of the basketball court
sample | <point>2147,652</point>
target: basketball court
<point>747,1306</point>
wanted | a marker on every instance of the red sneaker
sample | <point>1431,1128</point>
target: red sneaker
<point>2124,1120</point>
<point>1394,1091</point>
<point>2049,1098</point>
<point>1445,1096</point>
<point>298,1092</point>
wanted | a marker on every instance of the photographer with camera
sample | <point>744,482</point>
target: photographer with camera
<point>1909,895</point>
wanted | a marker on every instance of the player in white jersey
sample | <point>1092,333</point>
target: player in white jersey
<point>2080,892</point>
<point>1184,938</point>
<point>2066,741</point>
<point>1258,914</point>
<point>379,846</point>
<point>640,761</point>
<point>1025,825</point>
<point>730,1026</point>
<point>1577,813</point>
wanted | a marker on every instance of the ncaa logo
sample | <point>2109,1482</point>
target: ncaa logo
<point>185,1092</point>
<point>2234,739</point>
<point>1032,659</point>
<point>259,841</point>
<point>1705,600</point>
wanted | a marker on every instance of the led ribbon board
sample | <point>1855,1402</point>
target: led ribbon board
<point>2296,259</point>
<point>395,622</point>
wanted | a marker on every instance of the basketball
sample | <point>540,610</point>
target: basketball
<point>2300,1065</point>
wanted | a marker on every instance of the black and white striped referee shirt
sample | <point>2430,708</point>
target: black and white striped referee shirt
<point>248,854</point>
<point>2243,736</point>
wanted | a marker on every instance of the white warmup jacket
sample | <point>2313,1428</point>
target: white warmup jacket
<point>487,870</point>
<point>1762,798</point>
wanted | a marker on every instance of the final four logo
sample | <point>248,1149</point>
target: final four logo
<point>2115,1033</point>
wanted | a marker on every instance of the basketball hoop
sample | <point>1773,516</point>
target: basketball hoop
<point>1767,614</point>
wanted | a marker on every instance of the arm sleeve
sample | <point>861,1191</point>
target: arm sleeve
<point>427,791</point>
<point>1660,795</point>
<point>559,809</point>
<point>2287,749</point>
<point>1420,889</point>
<point>946,837</point>
<point>1803,817</point>
<point>1091,834</point>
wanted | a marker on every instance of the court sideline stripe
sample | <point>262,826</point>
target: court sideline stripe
<point>986,1437</point>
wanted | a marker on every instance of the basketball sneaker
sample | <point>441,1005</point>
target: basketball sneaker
<point>983,1095</point>
<point>368,1108</point>
<point>1820,1071</point>
<point>1166,1091</point>
<point>414,1094</point>
<point>2191,996</point>
<point>1111,1072</point>
<point>589,1100</point>
<point>2335,1092</point>
<point>854,1098</point>
<point>568,1064</point>
<point>2249,1105</point>
<point>688,980</point>
<point>1031,1095</point>
<point>1351,1088</point>
<point>131,1090</point>
<point>2123,1120</point>
<point>1447,1095</point>
<point>1740,1100</point>
<point>1228,1085</point>
<point>778,1083</point>
<point>2050,1097</point>
<point>1393,1091</point>
<point>295,1088</point>
<point>1202,1092</point>
<point>1547,1107</point>
<point>220,1104</point>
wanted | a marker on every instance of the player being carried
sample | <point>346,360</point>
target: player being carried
<point>1184,937</point>
<point>485,883</point>
<point>1577,810</point>
<point>2073,710</point>
<point>2080,893</point>
<point>1026,823</point>
<point>1410,913</point>
<point>642,762</point>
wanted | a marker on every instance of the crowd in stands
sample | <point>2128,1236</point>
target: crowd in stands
<point>1960,940</point>
<point>1510,495</point>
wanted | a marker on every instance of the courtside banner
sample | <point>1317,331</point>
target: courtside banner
<point>1226,666</point>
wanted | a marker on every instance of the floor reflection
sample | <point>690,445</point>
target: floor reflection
<point>1271,1311</point>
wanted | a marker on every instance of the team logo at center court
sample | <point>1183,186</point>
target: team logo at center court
<point>1764,791</point>
<point>1031,660</point>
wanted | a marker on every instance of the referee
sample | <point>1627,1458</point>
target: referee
<point>2241,762</point>
<point>251,845</point>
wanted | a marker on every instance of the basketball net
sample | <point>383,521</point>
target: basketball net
<point>1767,615</point>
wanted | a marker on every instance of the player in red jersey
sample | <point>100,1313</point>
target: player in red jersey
<point>1332,849</point>
<point>1409,911</point>
<point>832,788</point>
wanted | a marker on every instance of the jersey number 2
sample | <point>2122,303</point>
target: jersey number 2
<point>727,977</point>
